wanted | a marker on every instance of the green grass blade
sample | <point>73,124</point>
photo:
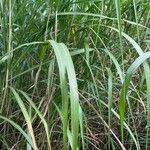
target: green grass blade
<point>146,70</point>
<point>26,116</point>
<point>41,117</point>
<point>118,11</point>
<point>140,60</point>
<point>19,129</point>
<point>64,87</point>
<point>74,97</point>
<point>136,19</point>
<point>81,121</point>
<point>109,103</point>
<point>64,58</point>
<point>112,57</point>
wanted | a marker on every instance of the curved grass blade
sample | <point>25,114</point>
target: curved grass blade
<point>96,15</point>
<point>64,87</point>
<point>74,96</point>
<point>140,60</point>
<point>19,129</point>
<point>40,115</point>
<point>26,116</point>
<point>66,67</point>
<point>146,71</point>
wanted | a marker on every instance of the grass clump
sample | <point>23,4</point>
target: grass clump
<point>71,74</point>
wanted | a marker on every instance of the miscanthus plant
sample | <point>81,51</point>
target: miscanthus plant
<point>74,74</point>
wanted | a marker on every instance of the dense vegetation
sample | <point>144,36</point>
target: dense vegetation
<point>71,74</point>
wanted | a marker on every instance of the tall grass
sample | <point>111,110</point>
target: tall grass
<point>71,74</point>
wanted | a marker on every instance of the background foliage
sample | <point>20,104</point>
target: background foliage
<point>65,74</point>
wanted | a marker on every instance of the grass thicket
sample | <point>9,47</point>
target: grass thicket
<point>71,74</point>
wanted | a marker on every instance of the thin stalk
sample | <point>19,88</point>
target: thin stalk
<point>136,19</point>
<point>9,53</point>
<point>109,106</point>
